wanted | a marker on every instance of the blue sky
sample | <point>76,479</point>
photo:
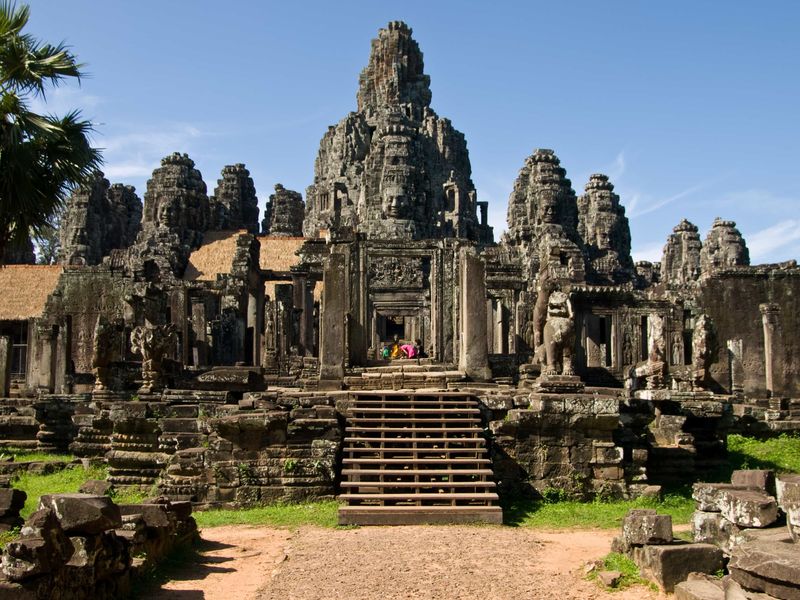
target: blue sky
<point>690,107</point>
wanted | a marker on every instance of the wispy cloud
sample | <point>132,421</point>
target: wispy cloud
<point>636,210</point>
<point>64,99</point>
<point>616,170</point>
<point>765,242</point>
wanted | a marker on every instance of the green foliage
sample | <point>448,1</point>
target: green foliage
<point>24,455</point>
<point>66,481</point>
<point>781,453</point>
<point>321,514</point>
<point>601,514</point>
<point>289,465</point>
<point>630,572</point>
<point>41,156</point>
<point>8,536</point>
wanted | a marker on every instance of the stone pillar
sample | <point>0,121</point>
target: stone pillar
<point>332,321</point>
<point>773,346</point>
<point>252,326</point>
<point>44,367</point>
<point>304,302</point>
<point>200,345</point>
<point>736,366</point>
<point>5,366</point>
<point>473,355</point>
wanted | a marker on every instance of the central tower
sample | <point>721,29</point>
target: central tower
<point>394,169</point>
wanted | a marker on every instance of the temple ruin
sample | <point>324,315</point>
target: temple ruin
<point>225,360</point>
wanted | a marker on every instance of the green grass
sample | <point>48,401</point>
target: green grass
<point>321,514</point>
<point>781,453</point>
<point>62,482</point>
<point>599,514</point>
<point>24,455</point>
<point>629,570</point>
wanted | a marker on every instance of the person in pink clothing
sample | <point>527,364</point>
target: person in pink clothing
<point>409,350</point>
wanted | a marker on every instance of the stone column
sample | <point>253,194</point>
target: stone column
<point>44,367</point>
<point>473,355</point>
<point>773,345</point>
<point>200,346</point>
<point>736,366</point>
<point>332,321</point>
<point>5,366</point>
<point>304,302</point>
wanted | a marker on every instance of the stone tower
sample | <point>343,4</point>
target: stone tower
<point>543,217</point>
<point>680,262</point>
<point>604,228</point>
<point>394,168</point>
<point>284,213</point>
<point>99,217</point>
<point>234,204</point>
<point>724,247</point>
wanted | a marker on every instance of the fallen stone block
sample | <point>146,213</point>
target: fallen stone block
<point>83,514</point>
<point>96,487</point>
<point>748,508</point>
<point>668,565</point>
<point>761,479</point>
<point>787,489</point>
<point>772,568</point>
<point>699,589</point>
<point>609,578</point>
<point>714,528</point>
<point>153,515</point>
<point>708,495</point>
<point>645,526</point>
<point>42,548</point>
<point>793,521</point>
<point>11,501</point>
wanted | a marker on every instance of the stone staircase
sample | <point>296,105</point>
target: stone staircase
<point>412,458</point>
<point>403,374</point>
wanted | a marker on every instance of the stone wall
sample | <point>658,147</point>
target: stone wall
<point>81,546</point>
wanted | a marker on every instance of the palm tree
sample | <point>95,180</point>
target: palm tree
<point>41,156</point>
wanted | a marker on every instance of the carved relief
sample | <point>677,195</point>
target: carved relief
<point>395,272</point>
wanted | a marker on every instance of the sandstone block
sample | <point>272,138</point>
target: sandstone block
<point>769,567</point>
<point>11,501</point>
<point>645,526</point>
<point>153,515</point>
<point>83,514</point>
<point>761,479</point>
<point>708,495</point>
<point>42,548</point>
<point>748,508</point>
<point>609,578</point>
<point>671,564</point>
<point>698,590</point>
<point>96,487</point>
<point>787,489</point>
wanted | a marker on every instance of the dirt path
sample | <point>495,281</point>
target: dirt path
<point>247,563</point>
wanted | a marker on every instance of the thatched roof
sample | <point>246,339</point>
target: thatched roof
<point>278,252</point>
<point>213,257</point>
<point>24,290</point>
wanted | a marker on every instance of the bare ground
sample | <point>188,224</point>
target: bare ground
<point>371,563</point>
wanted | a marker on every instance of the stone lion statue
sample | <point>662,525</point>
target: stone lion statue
<point>559,335</point>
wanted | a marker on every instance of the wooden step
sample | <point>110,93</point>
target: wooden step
<point>415,429</point>
<point>424,472</point>
<point>411,496</point>
<point>418,484</point>
<point>412,410</point>
<point>419,515</point>
<point>414,461</point>
<point>416,440</point>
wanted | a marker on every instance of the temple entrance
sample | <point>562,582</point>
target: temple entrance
<point>389,327</point>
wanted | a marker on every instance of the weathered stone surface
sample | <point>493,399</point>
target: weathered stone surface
<point>699,589</point>
<point>284,213</point>
<point>724,247</point>
<point>394,168</point>
<point>748,508</point>
<point>98,218</point>
<point>645,526</point>
<point>603,226</point>
<point>773,568</point>
<point>713,528</point>
<point>83,514</point>
<point>609,578</point>
<point>11,501</point>
<point>709,495</point>
<point>680,263</point>
<point>234,204</point>
<point>787,489</point>
<point>96,487</point>
<point>670,564</point>
<point>41,548</point>
<point>761,479</point>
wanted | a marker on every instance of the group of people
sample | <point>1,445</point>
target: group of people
<point>399,350</point>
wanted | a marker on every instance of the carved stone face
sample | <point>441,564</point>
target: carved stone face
<point>548,207</point>
<point>603,239</point>
<point>557,305</point>
<point>395,193</point>
<point>165,215</point>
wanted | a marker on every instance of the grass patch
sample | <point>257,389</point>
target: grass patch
<point>62,482</point>
<point>24,455</point>
<point>601,514</point>
<point>630,572</point>
<point>321,514</point>
<point>780,454</point>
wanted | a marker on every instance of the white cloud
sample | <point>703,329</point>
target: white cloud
<point>617,169</point>
<point>658,204</point>
<point>764,242</point>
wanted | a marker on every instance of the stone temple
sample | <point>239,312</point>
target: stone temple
<point>228,360</point>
